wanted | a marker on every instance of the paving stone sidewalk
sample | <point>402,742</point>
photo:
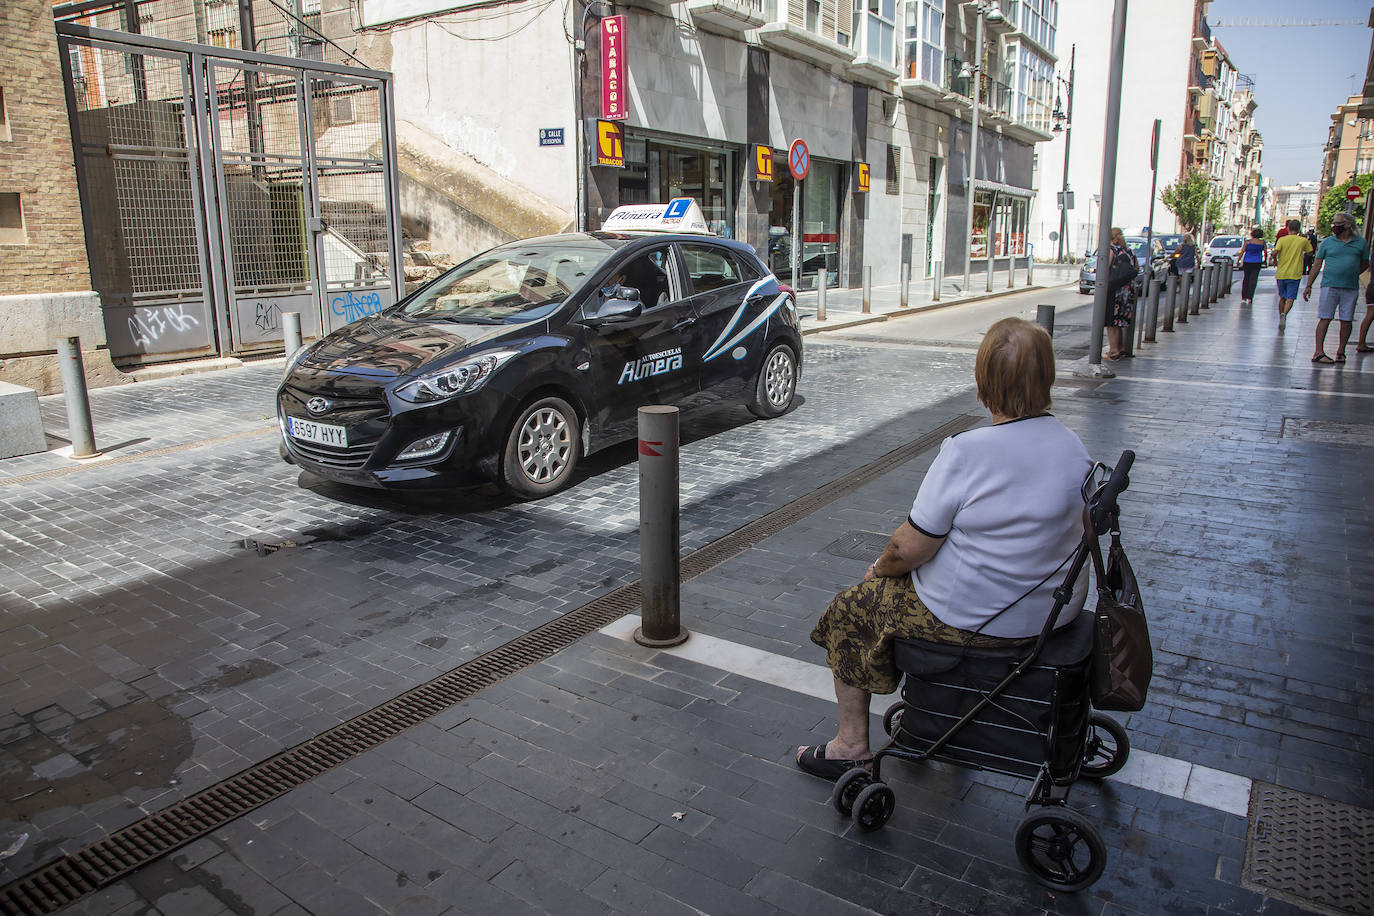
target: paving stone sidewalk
<point>615,778</point>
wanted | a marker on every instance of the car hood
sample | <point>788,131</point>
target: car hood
<point>390,346</point>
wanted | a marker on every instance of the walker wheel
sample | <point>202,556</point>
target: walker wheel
<point>892,719</point>
<point>874,806</point>
<point>847,789</point>
<point>1106,749</point>
<point>1061,849</point>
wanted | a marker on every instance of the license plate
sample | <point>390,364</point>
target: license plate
<point>321,433</point>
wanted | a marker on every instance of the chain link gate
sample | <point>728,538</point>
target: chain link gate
<point>221,188</point>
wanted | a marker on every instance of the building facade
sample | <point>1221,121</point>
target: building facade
<point>1349,149</point>
<point>1297,201</point>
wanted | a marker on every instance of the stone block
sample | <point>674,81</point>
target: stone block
<point>31,324</point>
<point>21,426</point>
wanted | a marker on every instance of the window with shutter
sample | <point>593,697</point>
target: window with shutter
<point>894,169</point>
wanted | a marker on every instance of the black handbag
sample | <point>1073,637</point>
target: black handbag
<point>1122,658</point>
<point>1123,271</point>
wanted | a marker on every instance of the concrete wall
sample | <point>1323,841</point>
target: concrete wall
<point>45,280</point>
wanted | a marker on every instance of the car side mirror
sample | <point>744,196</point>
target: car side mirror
<point>622,304</point>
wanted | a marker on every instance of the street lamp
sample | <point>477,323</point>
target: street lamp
<point>973,70</point>
<point>1063,121</point>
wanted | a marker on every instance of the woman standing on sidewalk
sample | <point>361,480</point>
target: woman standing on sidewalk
<point>1122,296</point>
<point>1252,258</point>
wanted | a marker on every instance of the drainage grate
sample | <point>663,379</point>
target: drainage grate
<point>859,545</point>
<point>66,880</point>
<point>1310,851</point>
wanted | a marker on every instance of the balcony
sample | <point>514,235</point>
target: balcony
<point>1202,34</point>
<point>795,41</point>
<point>923,80</point>
<point>876,48</point>
<point>727,17</point>
<point>661,6</point>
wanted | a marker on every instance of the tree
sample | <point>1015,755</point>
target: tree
<point>1191,200</point>
<point>1271,232</point>
<point>1334,202</point>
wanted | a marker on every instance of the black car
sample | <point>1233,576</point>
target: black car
<point>519,361</point>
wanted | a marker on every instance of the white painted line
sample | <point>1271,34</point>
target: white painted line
<point>1165,775</point>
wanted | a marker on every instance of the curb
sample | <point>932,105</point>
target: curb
<point>837,324</point>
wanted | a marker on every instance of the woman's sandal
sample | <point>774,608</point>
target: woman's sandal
<point>1323,359</point>
<point>813,760</point>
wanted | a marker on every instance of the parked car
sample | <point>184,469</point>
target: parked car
<point>1087,275</point>
<point>1223,248</point>
<point>518,362</point>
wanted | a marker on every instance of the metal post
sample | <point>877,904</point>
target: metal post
<point>660,577</point>
<point>867,306</point>
<point>1152,309</point>
<point>1030,264</point>
<point>906,284</point>
<point>1068,138</point>
<point>796,234</point>
<point>976,68</point>
<point>74,392</point>
<point>1109,142</point>
<point>939,281</point>
<point>1185,295</point>
<point>1011,272</point>
<point>291,331</point>
<point>1170,300</point>
<point>1209,282</point>
<point>1199,282</point>
<point>991,259</point>
<point>822,284</point>
<point>1230,275</point>
<point>1044,316</point>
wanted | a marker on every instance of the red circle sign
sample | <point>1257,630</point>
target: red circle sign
<point>798,159</point>
<point>1353,193</point>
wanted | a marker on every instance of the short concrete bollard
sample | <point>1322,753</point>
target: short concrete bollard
<point>74,392</point>
<point>867,306</point>
<point>1151,309</point>
<point>939,281</point>
<point>1044,316</point>
<point>1011,273</point>
<point>991,259</point>
<point>822,281</point>
<point>1170,301</point>
<point>291,331</point>
<point>660,575</point>
<point>1030,270</point>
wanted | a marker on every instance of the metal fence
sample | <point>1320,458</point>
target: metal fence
<point>223,187</point>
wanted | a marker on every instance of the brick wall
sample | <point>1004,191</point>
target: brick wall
<point>36,161</point>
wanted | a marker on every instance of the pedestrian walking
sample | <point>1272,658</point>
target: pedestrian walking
<point>1290,254</point>
<point>1344,256</point>
<point>1252,258</point>
<point>1121,289</point>
<point>1307,258</point>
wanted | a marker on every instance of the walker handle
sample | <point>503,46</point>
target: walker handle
<point>1104,501</point>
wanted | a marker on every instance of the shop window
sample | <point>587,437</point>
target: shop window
<point>4,117</point>
<point>12,230</point>
<point>894,169</point>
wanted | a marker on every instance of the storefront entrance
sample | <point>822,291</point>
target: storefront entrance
<point>656,171</point>
<point>820,221</point>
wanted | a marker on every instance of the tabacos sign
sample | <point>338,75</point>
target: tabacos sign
<point>614,104</point>
<point>608,143</point>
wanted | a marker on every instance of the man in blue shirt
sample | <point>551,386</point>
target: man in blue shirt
<point>1345,256</point>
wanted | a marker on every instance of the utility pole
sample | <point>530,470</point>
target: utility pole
<point>1068,140</point>
<point>1104,243</point>
<point>976,73</point>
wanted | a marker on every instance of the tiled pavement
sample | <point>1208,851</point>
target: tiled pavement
<point>147,654</point>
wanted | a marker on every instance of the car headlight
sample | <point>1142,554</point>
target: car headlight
<point>452,381</point>
<point>294,360</point>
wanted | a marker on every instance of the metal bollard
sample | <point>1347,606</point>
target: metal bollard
<point>939,281</point>
<point>1185,297</point>
<point>1044,316</point>
<point>1152,309</point>
<point>74,392</point>
<point>1209,292</point>
<point>1230,275</point>
<point>1170,301</point>
<point>906,285</point>
<point>1199,281</point>
<point>1030,270</point>
<point>991,259</point>
<point>1011,272</point>
<point>867,306</point>
<point>822,283</point>
<point>660,576</point>
<point>1217,273</point>
<point>291,331</point>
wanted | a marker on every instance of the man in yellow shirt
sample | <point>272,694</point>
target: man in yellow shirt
<point>1288,252</point>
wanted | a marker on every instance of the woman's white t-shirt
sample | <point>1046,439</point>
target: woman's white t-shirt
<point>1007,500</point>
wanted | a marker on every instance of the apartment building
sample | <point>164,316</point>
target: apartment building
<point>1349,149</point>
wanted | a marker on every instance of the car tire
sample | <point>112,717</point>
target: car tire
<point>542,449</point>
<point>776,385</point>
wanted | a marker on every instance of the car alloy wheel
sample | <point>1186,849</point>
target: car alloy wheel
<point>777,383</point>
<point>542,449</point>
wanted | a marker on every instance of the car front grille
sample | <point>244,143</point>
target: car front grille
<point>348,459</point>
<point>364,414</point>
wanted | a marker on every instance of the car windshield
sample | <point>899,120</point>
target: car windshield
<point>1226,241</point>
<point>1137,246</point>
<point>1169,242</point>
<point>513,283</point>
<point>1090,262</point>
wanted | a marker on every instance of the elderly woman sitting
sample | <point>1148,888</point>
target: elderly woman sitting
<point>998,514</point>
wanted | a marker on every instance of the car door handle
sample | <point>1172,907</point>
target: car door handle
<point>686,322</point>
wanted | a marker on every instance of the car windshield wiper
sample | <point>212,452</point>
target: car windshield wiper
<point>456,319</point>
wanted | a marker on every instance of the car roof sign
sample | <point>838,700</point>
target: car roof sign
<point>681,214</point>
